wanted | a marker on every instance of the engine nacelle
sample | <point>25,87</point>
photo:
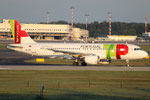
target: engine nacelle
<point>91,59</point>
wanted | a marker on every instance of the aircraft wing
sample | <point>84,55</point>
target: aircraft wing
<point>71,52</point>
<point>57,56</point>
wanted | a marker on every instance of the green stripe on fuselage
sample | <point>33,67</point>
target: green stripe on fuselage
<point>12,24</point>
<point>110,50</point>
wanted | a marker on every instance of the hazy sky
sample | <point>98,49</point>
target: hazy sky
<point>34,11</point>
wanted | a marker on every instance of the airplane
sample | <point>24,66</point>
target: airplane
<point>86,53</point>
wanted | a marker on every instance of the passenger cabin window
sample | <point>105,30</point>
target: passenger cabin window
<point>137,49</point>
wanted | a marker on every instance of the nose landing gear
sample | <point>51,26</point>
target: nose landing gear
<point>127,62</point>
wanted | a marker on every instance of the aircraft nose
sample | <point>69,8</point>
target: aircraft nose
<point>144,54</point>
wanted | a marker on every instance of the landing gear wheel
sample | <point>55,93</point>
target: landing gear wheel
<point>75,64</point>
<point>109,61</point>
<point>83,64</point>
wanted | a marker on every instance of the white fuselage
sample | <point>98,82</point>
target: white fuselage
<point>61,49</point>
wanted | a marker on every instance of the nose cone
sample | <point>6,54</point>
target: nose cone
<point>144,54</point>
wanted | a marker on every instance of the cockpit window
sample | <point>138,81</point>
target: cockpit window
<point>137,49</point>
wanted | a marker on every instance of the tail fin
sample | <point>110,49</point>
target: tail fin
<point>19,35</point>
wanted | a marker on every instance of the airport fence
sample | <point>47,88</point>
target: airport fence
<point>34,87</point>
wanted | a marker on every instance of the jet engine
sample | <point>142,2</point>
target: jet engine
<point>91,59</point>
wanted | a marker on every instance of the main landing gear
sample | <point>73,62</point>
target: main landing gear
<point>83,63</point>
<point>76,63</point>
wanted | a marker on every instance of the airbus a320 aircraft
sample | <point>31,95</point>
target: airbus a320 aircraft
<point>86,53</point>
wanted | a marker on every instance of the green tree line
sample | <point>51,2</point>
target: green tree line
<point>97,29</point>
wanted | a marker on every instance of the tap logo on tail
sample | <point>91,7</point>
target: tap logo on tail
<point>17,32</point>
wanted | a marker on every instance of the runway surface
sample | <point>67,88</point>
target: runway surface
<point>52,67</point>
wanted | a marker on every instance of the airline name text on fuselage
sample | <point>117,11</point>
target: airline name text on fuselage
<point>90,46</point>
